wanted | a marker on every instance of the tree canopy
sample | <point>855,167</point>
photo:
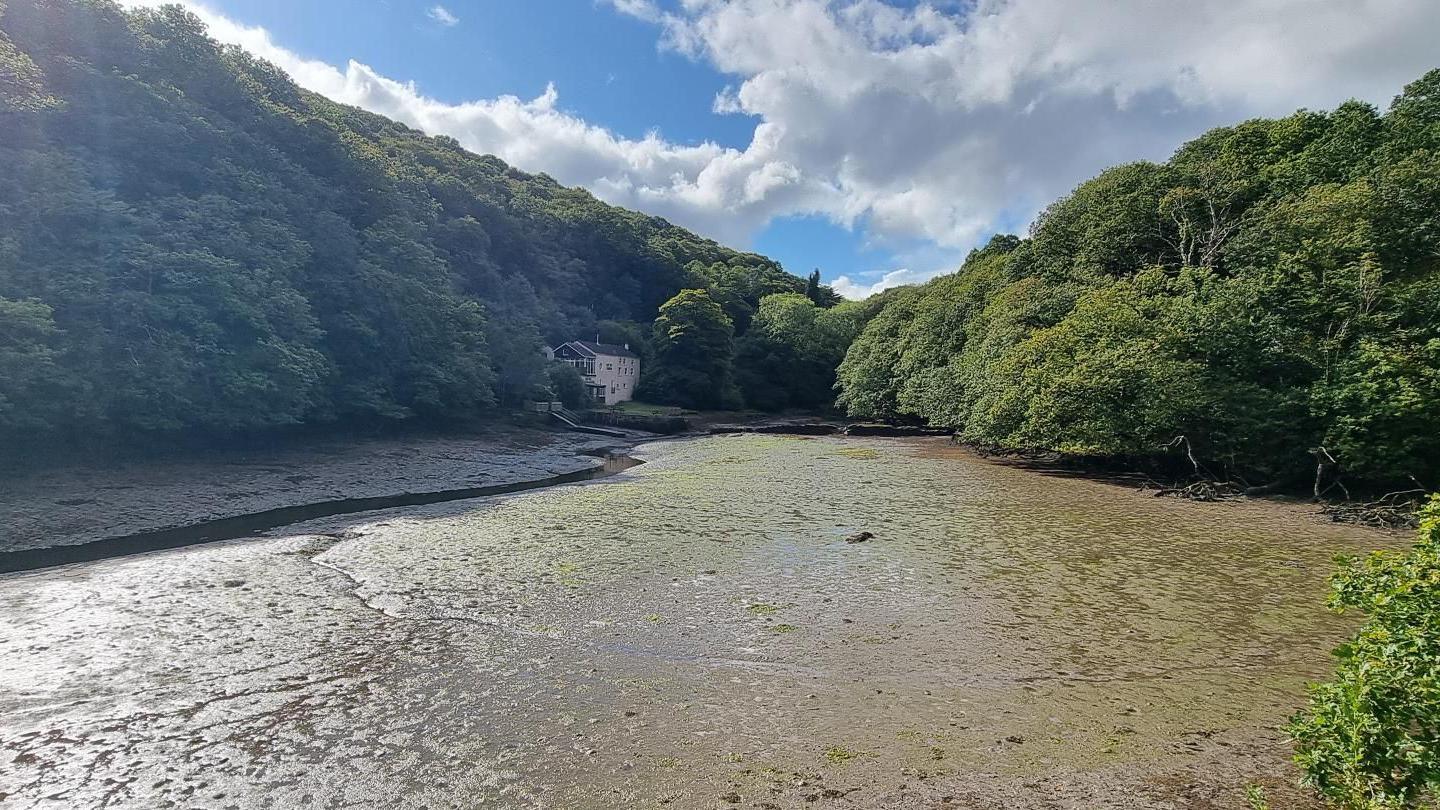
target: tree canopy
<point>189,241</point>
<point>788,357</point>
<point>1269,293</point>
<point>694,354</point>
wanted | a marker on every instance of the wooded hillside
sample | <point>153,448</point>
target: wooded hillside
<point>190,241</point>
<point>1268,297</point>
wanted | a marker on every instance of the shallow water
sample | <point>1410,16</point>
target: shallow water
<point>693,633</point>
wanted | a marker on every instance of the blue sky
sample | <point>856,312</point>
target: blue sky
<point>878,140</point>
<point>606,65</point>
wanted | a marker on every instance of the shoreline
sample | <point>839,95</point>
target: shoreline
<point>72,513</point>
<point>80,513</point>
<point>256,524</point>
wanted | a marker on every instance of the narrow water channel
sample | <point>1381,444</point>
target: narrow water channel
<point>695,632</point>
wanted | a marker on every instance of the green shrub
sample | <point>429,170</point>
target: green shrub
<point>1370,738</point>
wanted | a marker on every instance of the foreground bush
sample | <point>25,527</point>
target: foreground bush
<point>1368,740</point>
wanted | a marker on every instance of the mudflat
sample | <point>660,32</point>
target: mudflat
<point>78,504</point>
<point>694,632</point>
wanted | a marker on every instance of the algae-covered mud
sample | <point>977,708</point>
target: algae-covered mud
<point>696,632</point>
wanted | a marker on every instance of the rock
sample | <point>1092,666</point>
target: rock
<point>859,538</point>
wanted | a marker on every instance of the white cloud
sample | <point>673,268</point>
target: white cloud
<point>851,289</point>
<point>643,9</point>
<point>442,15</point>
<point>924,122</point>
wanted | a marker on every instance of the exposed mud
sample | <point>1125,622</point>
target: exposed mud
<point>695,632</point>
<point>77,505</point>
<point>249,525</point>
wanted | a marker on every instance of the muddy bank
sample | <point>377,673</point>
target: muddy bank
<point>813,428</point>
<point>73,506</point>
<point>697,632</point>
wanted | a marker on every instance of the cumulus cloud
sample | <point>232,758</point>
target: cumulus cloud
<point>930,124</point>
<point>442,15</point>
<point>727,194</point>
<point>939,121</point>
<point>859,291</point>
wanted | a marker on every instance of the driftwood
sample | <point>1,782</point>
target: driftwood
<point>1203,490</point>
<point>1395,510</point>
<point>1206,486</point>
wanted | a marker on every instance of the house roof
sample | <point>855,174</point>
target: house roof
<point>586,347</point>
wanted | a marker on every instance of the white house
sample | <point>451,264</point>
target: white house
<point>611,372</point>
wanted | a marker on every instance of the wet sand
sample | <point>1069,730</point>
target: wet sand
<point>695,632</point>
<point>76,504</point>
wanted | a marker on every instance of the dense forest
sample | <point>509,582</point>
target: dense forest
<point>189,241</point>
<point>1264,304</point>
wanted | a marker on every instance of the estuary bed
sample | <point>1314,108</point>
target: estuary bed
<point>694,632</point>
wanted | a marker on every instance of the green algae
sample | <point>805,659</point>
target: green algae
<point>566,573</point>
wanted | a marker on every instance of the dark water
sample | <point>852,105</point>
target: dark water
<point>695,632</point>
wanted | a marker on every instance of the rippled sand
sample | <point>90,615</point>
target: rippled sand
<point>693,633</point>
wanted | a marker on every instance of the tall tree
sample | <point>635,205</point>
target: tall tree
<point>812,287</point>
<point>694,366</point>
<point>789,356</point>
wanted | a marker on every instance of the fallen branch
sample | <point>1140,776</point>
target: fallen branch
<point>1204,491</point>
<point>1394,510</point>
